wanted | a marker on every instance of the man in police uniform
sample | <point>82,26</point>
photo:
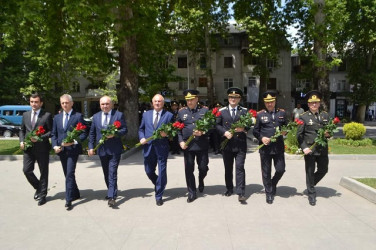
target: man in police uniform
<point>174,144</point>
<point>266,123</point>
<point>198,147</point>
<point>313,121</point>
<point>236,147</point>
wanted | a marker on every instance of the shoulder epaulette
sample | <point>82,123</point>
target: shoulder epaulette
<point>221,109</point>
<point>304,113</point>
<point>324,112</point>
<point>243,108</point>
<point>279,109</point>
<point>262,110</point>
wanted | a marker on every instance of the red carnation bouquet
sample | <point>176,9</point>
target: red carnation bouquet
<point>205,123</point>
<point>284,130</point>
<point>75,133</point>
<point>329,128</point>
<point>36,134</point>
<point>171,129</point>
<point>110,130</point>
<point>245,120</point>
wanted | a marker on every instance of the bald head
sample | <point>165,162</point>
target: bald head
<point>158,102</point>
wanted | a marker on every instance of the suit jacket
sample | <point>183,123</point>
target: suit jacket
<point>146,130</point>
<point>111,146</point>
<point>307,132</point>
<point>266,126</point>
<point>58,133</point>
<point>189,117</point>
<point>239,140</point>
<point>44,119</point>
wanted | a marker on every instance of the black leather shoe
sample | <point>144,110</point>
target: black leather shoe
<point>241,198</point>
<point>191,199</point>
<point>159,202</point>
<point>228,193</point>
<point>106,198</point>
<point>201,185</point>
<point>68,205</point>
<point>36,196</point>
<point>42,201</point>
<point>111,202</point>
<point>269,199</point>
<point>312,201</point>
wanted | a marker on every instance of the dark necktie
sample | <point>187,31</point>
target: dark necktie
<point>233,113</point>
<point>155,124</point>
<point>33,121</point>
<point>66,120</point>
<point>105,122</point>
<point>317,116</point>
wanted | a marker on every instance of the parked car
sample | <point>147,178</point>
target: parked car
<point>8,129</point>
<point>13,113</point>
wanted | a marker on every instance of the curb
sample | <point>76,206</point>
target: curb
<point>81,158</point>
<point>335,157</point>
<point>359,188</point>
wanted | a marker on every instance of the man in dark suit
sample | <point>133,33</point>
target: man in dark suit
<point>39,152</point>
<point>313,120</point>
<point>68,152</point>
<point>236,147</point>
<point>110,151</point>
<point>198,148</point>
<point>155,151</point>
<point>267,122</point>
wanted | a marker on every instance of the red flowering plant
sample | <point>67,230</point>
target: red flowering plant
<point>283,130</point>
<point>205,123</point>
<point>171,129</point>
<point>36,134</point>
<point>75,133</point>
<point>110,130</point>
<point>245,120</point>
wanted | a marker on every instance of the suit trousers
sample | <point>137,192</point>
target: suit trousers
<point>43,159</point>
<point>159,180</point>
<point>312,177</point>
<point>228,160</point>
<point>110,165</point>
<point>266,169</point>
<point>202,160</point>
<point>69,163</point>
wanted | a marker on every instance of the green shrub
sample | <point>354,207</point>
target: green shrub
<point>354,143</point>
<point>291,142</point>
<point>354,130</point>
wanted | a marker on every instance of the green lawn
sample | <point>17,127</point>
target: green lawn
<point>344,149</point>
<point>368,181</point>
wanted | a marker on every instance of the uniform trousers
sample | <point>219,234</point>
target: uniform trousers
<point>69,163</point>
<point>228,160</point>
<point>43,159</point>
<point>110,165</point>
<point>159,180</point>
<point>266,169</point>
<point>312,177</point>
<point>202,160</point>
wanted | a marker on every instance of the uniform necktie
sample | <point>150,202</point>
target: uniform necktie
<point>66,120</point>
<point>156,121</point>
<point>233,114</point>
<point>33,121</point>
<point>317,116</point>
<point>105,122</point>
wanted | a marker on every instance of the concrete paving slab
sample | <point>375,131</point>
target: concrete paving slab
<point>341,219</point>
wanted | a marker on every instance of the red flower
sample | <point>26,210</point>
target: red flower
<point>80,126</point>
<point>253,112</point>
<point>214,111</point>
<point>298,121</point>
<point>178,125</point>
<point>217,114</point>
<point>35,134</point>
<point>336,120</point>
<point>117,124</point>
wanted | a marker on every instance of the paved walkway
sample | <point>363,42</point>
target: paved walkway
<point>340,220</point>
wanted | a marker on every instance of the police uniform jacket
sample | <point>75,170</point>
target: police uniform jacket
<point>307,132</point>
<point>239,140</point>
<point>189,118</point>
<point>266,124</point>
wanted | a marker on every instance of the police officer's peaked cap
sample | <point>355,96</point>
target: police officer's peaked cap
<point>190,94</point>
<point>234,92</point>
<point>174,103</point>
<point>218,104</point>
<point>313,96</point>
<point>269,96</point>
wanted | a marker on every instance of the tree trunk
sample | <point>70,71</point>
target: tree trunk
<point>209,72</point>
<point>361,113</point>
<point>128,91</point>
<point>320,72</point>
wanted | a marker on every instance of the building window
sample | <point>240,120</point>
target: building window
<point>182,62</point>
<point>271,83</point>
<point>271,64</point>
<point>252,82</point>
<point>301,84</point>
<point>228,62</point>
<point>341,85</point>
<point>202,61</point>
<point>228,83</point>
<point>229,40</point>
<point>76,87</point>
<point>202,82</point>
<point>183,85</point>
